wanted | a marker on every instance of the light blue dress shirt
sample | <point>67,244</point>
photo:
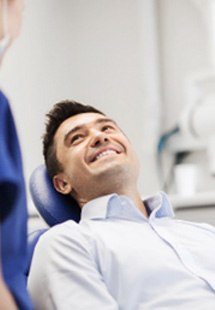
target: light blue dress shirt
<point>116,258</point>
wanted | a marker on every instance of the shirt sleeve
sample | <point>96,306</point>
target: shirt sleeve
<point>64,274</point>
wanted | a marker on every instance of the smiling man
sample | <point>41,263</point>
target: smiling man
<point>93,150</point>
<point>125,253</point>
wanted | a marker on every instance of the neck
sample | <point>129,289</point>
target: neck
<point>136,198</point>
<point>133,194</point>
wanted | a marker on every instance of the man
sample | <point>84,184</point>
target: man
<point>13,207</point>
<point>125,253</point>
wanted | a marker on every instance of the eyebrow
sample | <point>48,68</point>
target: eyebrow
<point>79,127</point>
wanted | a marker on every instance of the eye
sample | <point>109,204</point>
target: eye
<point>76,139</point>
<point>107,128</point>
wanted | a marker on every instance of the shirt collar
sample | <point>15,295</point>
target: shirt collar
<point>115,206</point>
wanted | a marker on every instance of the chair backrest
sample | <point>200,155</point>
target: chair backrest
<point>54,207</point>
<point>33,238</point>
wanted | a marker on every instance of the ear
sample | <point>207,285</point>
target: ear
<point>62,184</point>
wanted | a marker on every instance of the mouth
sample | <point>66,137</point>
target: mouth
<point>104,153</point>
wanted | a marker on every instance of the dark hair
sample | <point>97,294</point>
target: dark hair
<point>59,113</point>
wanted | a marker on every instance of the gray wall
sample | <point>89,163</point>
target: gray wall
<point>99,52</point>
<point>129,58</point>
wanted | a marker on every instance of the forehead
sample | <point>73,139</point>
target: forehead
<point>83,119</point>
<point>80,120</point>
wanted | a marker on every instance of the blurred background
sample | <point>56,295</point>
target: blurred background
<point>149,64</point>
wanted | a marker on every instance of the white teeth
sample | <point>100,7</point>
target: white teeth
<point>108,152</point>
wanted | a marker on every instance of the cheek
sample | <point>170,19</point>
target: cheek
<point>137,166</point>
<point>135,159</point>
<point>73,161</point>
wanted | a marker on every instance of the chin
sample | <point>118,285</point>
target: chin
<point>114,172</point>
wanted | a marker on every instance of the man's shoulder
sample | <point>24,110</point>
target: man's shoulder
<point>61,230</point>
<point>198,225</point>
<point>68,232</point>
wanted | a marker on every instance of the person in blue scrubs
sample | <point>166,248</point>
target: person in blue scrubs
<point>13,206</point>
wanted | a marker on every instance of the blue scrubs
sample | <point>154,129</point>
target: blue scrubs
<point>13,209</point>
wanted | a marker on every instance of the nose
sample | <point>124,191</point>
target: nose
<point>99,138</point>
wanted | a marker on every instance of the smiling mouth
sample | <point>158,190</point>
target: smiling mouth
<point>105,154</point>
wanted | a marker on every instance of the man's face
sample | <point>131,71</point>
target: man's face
<point>94,154</point>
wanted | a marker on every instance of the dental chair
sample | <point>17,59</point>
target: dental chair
<point>52,206</point>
